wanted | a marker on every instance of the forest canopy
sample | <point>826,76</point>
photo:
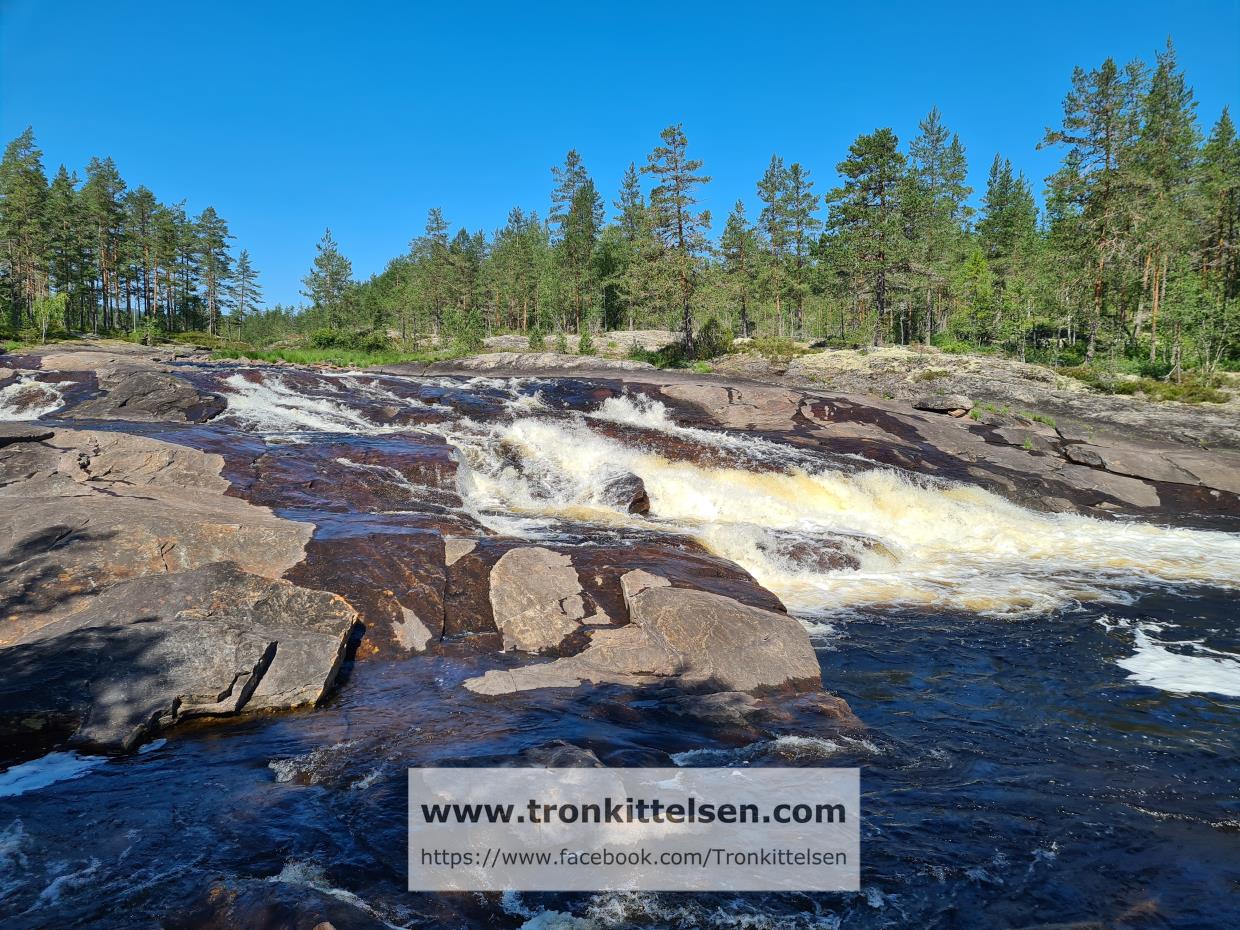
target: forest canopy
<point>1133,254</point>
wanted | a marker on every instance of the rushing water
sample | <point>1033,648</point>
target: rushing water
<point>1052,701</point>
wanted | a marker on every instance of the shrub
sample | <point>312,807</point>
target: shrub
<point>713,340</point>
<point>778,350</point>
<point>561,342</point>
<point>538,342</point>
<point>585,345</point>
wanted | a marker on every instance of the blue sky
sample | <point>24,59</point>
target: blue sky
<point>289,117</point>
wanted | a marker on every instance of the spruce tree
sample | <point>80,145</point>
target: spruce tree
<point>329,279</point>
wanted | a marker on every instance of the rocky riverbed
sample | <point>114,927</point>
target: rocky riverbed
<point>526,557</point>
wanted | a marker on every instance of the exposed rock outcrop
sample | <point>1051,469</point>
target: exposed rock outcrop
<point>701,640</point>
<point>151,652</point>
<point>86,509</point>
<point>536,598</point>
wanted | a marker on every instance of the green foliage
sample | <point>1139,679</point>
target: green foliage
<point>713,340</point>
<point>585,345</point>
<point>356,340</point>
<point>776,349</point>
<point>538,342</point>
<point>561,342</point>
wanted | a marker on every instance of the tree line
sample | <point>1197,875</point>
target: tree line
<point>1134,254</point>
<point>109,258</point>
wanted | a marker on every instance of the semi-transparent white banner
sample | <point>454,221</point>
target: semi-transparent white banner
<point>690,829</point>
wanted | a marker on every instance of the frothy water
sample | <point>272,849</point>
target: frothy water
<point>822,537</point>
<point>912,542</point>
<point>46,770</point>
<point>1182,666</point>
<point>25,398</point>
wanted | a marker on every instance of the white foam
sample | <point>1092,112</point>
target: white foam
<point>46,770</point>
<point>27,399</point>
<point>1182,667</point>
<point>918,543</point>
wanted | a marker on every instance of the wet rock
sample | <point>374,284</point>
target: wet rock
<point>151,652</point>
<point>87,509</point>
<point>561,754</point>
<point>701,640</point>
<point>148,396</point>
<point>943,403</point>
<point>298,899</point>
<point>626,492</point>
<point>536,598</point>
<point>406,471</point>
<point>395,581</point>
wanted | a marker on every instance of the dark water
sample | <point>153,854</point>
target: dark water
<point>1012,776</point>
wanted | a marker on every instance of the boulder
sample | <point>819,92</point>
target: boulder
<point>1083,455</point>
<point>702,641</point>
<point>943,403</point>
<point>144,395</point>
<point>626,492</point>
<point>151,652</point>
<point>536,598</point>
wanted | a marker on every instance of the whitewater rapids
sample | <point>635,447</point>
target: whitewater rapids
<point>916,543</point>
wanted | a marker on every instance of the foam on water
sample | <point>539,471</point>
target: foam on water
<point>900,540</point>
<point>1178,666</point>
<point>27,399</point>
<point>46,770</point>
<point>917,543</point>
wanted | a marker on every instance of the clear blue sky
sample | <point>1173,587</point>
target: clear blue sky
<point>289,117</point>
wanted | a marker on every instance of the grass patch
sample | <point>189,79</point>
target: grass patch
<point>702,368</point>
<point>931,374</point>
<point>342,358</point>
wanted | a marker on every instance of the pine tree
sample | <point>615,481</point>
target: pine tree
<point>1164,161</point>
<point>1100,125</point>
<point>578,238</point>
<point>568,179</point>
<point>140,207</point>
<point>936,206</point>
<point>247,294</point>
<point>773,222</point>
<point>799,206</point>
<point>23,231</point>
<point>67,245</point>
<point>681,228</point>
<point>1219,225</point>
<point>215,264</point>
<point>866,210</point>
<point>102,194</point>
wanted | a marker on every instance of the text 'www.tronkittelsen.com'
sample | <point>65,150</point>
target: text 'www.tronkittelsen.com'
<point>710,829</point>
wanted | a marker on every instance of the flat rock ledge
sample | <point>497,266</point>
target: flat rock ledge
<point>694,639</point>
<point>149,653</point>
